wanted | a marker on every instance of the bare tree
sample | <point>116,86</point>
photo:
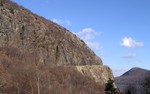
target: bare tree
<point>130,89</point>
<point>146,84</point>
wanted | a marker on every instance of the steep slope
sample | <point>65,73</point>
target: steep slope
<point>29,31</point>
<point>38,56</point>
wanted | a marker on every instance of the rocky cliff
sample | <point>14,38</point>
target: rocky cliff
<point>23,29</point>
<point>31,42</point>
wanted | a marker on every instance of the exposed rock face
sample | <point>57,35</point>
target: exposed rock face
<point>100,74</point>
<point>22,29</point>
<point>26,37</point>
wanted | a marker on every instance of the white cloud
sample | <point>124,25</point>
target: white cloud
<point>90,36</point>
<point>130,56</point>
<point>62,22</point>
<point>56,20</point>
<point>128,42</point>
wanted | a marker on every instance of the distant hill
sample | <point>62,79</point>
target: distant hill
<point>134,75</point>
<point>135,72</point>
<point>133,80</point>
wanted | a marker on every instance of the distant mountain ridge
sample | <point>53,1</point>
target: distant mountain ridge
<point>132,76</point>
<point>133,80</point>
<point>135,71</point>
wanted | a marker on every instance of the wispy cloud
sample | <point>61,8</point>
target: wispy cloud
<point>128,42</point>
<point>94,45</point>
<point>90,36</point>
<point>130,56</point>
<point>118,72</point>
<point>62,22</point>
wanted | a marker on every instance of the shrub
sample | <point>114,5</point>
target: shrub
<point>11,10</point>
<point>1,3</point>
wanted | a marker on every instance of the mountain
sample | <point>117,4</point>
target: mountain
<point>25,30</point>
<point>134,75</point>
<point>133,79</point>
<point>135,72</point>
<point>38,56</point>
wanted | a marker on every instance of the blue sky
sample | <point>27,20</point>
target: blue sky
<point>116,30</point>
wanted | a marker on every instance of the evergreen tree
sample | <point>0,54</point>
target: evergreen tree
<point>110,88</point>
<point>1,3</point>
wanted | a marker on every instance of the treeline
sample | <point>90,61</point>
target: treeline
<point>142,87</point>
<point>21,74</point>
